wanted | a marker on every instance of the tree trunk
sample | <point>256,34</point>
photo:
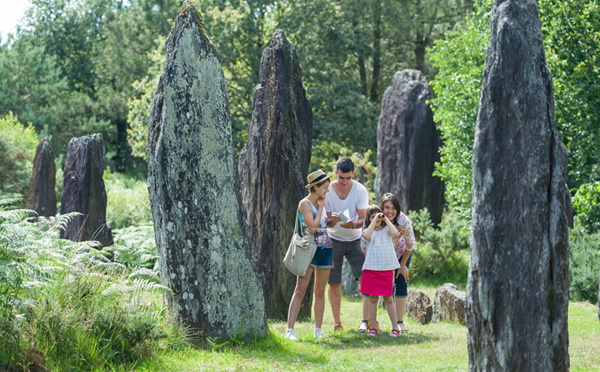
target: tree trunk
<point>374,95</point>
<point>517,290</point>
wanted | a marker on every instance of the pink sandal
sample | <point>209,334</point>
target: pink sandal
<point>372,332</point>
<point>394,333</point>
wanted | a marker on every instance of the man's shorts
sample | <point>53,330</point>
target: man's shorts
<point>353,254</point>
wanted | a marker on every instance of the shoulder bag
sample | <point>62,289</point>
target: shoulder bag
<point>300,251</point>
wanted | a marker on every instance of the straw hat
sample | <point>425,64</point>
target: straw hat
<point>315,178</point>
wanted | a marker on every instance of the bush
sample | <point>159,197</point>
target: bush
<point>326,154</point>
<point>586,205</point>
<point>67,302</point>
<point>441,255</point>
<point>17,150</point>
<point>584,264</point>
<point>128,202</point>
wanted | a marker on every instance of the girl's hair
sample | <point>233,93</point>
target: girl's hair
<point>315,187</point>
<point>370,210</point>
<point>389,197</point>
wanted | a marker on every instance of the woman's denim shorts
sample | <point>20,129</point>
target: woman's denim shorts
<point>323,258</point>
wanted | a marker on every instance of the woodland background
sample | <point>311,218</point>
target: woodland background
<point>76,67</point>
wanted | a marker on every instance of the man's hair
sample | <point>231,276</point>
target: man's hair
<point>345,165</point>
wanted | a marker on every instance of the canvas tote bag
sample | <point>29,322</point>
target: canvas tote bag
<point>300,251</point>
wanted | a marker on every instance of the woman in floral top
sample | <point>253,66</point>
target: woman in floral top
<point>313,217</point>
<point>403,243</point>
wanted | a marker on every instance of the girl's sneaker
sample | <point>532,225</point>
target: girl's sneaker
<point>290,334</point>
<point>363,327</point>
<point>394,333</point>
<point>319,333</point>
<point>372,332</point>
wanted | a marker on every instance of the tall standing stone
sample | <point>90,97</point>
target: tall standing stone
<point>273,168</point>
<point>407,146</point>
<point>517,291</point>
<point>84,192</point>
<point>200,228</point>
<point>41,196</point>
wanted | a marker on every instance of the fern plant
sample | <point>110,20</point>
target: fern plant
<point>76,304</point>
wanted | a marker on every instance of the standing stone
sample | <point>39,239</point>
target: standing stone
<point>518,284</point>
<point>449,304</point>
<point>84,192</point>
<point>407,146</point>
<point>41,196</point>
<point>350,286</point>
<point>273,168</point>
<point>200,229</point>
<point>419,307</point>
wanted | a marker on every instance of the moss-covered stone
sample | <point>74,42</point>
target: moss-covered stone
<point>200,230</point>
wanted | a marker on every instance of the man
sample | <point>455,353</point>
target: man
<point>352,199</point>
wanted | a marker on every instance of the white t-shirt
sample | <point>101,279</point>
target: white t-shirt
<point>358,198</point>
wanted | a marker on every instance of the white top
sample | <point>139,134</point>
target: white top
<point>380,253</point>
<point>358,198</point>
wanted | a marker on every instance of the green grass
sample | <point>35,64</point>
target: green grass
<point>432,347</point>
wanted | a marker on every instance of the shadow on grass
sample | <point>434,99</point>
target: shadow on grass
<point>355,340</point>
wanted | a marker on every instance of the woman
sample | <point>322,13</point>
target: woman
<point>313,218</point>
<point>404,243</point>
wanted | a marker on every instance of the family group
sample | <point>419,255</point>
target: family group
<point>377,241</point>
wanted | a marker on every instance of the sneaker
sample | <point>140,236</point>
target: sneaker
<point>363,327</point>
<point>290,334</point>
<point>319,333</point>
<point>372,332</point>
<point>338,327</point>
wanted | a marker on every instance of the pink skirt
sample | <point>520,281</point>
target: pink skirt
<point>377,283</point>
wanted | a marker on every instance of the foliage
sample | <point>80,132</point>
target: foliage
<point>440,252</point>
<point>128,203</point>
<point>460,59</point>
<point>70,303</point>
<point>570,35</point>
<point>17,150</point>
<point>32,86</point>
<point>135,247</point>
<point>325,155</point>
<point>586,205</point>
<point>584,264</point>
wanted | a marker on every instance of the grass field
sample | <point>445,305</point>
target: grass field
<point>432,347</point>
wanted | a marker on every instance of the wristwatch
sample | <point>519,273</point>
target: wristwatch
<point>354,224</point>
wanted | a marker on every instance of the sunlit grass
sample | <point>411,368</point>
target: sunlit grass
<point>432,347</point>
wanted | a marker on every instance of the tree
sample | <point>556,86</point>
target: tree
<point>570,35</point>
<point>459,59</point>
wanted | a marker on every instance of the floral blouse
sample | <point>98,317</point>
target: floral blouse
<point>405,240</point>
<point>321,237</point>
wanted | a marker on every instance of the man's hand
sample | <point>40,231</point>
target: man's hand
<point>334,218</point>
<point>348,225</point>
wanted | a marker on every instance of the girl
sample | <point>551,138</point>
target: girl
<point>313,218</point>
<point>380,262</point>
<point>404,243</point>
